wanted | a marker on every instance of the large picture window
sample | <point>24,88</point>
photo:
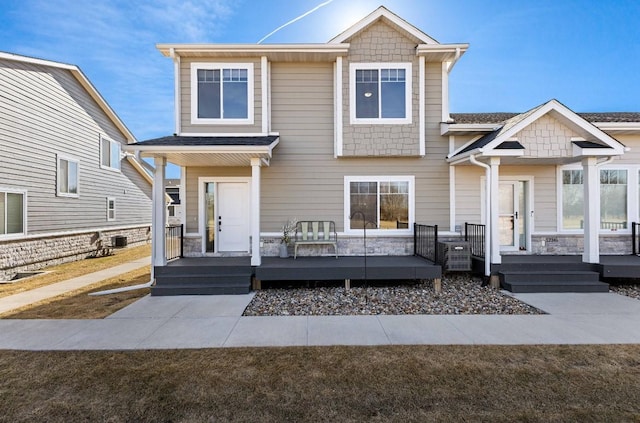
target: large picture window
<point>68,177</point>
<point>222,93</point>
<point>380,93</point>
<point>613,199</point>
<point>12,212</point>
<point>384,203</point>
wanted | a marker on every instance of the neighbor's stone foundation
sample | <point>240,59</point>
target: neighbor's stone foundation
<point>26,255</point>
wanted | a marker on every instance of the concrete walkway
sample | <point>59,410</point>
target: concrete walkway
<point>22,299</point>
<point>216,321</point>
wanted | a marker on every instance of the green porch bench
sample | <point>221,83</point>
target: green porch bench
<point>315,232</point>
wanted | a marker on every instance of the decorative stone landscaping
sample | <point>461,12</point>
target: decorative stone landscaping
<point>632,291</point>
<point>461,294</point>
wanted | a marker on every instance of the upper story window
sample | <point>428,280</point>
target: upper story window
<point>222,93</point>
<point>109,154</point>
<point>380,93</point>
<point>13,212</point>
<point>68,176</point>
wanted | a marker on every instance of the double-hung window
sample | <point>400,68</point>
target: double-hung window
<point>380,93</point>
<point>613,199</point>
<point>109,154</point>
<point>382,203</point>
<point>68,176</point>
<point>12,212</point>
<point>222,93</point>
<point>111,209</point>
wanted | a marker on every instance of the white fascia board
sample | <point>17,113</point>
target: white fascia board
<point>253,49</point>
<point>36,61</point>
<point>589,152</point>
<point>465,145</point>
<point>449,50</point>
<point>451,128</point>
<point>242,149</point>
<point>507,152</point>
<point>618,126</point>
<point>140,168</point>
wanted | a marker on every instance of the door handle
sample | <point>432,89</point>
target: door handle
<point>516,215</point>
<point>219,223</point>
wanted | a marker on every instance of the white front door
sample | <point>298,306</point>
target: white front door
<point>233,217</point>
<point>513,211</point>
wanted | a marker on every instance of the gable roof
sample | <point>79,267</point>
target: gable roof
<point>502,117</point>
<point>514,124</point>
<point>84,81</point>
<point>384,14</point>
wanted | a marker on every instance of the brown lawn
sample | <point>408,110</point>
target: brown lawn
<point>77,268</point>
<point>326,384</point>
<point>79,304</point>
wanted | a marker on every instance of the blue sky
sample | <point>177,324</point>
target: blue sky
<point>585,53</point>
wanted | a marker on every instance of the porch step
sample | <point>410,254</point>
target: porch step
<point>199,280</point>
<point>551,281</point>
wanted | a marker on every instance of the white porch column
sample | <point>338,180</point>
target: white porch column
<point>256,258</point>
<point>159,217</point>
<point>494,192</point>
<point>591,185</point>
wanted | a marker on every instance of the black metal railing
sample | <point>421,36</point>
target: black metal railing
<point>635,237</point>
<point>174,244</point>
<point>425,241</point>
<point>474,234</point>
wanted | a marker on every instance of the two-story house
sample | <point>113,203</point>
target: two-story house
<point>64,179</point>
<point>361,125</point>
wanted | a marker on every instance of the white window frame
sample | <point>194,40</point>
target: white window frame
<point>379,178</point>
<point>353,67</point>
<point>109,218</point>
<point>69,160</point>
<point>23,192</point>
<point>111,146</point>
<point>195,67</point>
<point>633,209</point>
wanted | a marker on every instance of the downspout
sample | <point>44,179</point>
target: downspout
<point>487,235</point>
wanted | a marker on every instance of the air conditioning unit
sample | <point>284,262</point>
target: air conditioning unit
<point>119,241</point>
<point>454,256</point>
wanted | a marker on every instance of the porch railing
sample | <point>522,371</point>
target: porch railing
<point>635,237</point>
<point>174,244</point>
<point>474,234</point>
<point>425,241</point>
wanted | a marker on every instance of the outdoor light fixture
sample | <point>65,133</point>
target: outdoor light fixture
<point>368,94</point>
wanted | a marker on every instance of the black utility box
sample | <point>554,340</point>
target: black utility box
<point>119,241</point>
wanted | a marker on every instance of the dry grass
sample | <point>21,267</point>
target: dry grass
<point>79,304</point>
<point>326,384</point>
<point>77,268</point>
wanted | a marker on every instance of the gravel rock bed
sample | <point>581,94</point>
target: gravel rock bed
<point>632,291</point>
<point>460,295</point>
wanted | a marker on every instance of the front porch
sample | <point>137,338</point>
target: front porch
<point>236,275</point>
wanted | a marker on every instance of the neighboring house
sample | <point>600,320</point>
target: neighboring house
<point>64,180</point>
<point>265,133</point>
<point>174,209</point>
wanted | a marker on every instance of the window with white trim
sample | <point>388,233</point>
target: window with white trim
<point>68,176</point>
<point>613,199</point>
<point>111,209</point>
<point>222,93</point>
<point>385,203</point>
<point>13,212</point>
<point>109,154</point>
<point>380,93</point>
